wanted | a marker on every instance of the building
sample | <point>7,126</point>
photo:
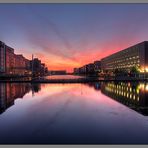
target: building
<point>9,60</point>
<point>58,72</point>
<point>17,65</point>
<point>35,65</point>
<point>2,57</point>
<point>38,68</point>
<point>6,59</point>
<point>22,65</point>
<point>88,69</point>
<point>136,55</point>
<point>43,69</point>
<point>76,71</point>
<point>11,63</point>
<point>82,70</point>
<point>97,66</point>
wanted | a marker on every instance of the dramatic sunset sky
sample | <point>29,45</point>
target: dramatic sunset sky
<point>65,36</point>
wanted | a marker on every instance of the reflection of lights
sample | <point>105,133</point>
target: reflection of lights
<point>119,92</point>
<point>146,87</point>
<point>146,69</point>
<point>141,86</point>
<point>141,69</point>
<point>127,95</point>
<point>137,90</point>
<point>138,98</point>
<point>124,94</point>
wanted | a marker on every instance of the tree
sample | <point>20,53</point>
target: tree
<point>134,71</point>
<point>120,72</point>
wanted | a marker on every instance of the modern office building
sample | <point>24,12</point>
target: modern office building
<point>136,55</point>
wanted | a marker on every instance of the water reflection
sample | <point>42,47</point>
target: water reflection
<point>9,92</point>
<point>66,113</point>
<point>133,95</point>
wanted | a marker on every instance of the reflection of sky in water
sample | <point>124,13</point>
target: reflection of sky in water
<point>71,113</point>
<point>63,77</point>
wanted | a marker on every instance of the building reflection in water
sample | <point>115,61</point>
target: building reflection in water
<point>134,95</point>
<point>11,91</point>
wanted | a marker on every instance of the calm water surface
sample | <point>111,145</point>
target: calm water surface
<point>95,113</point>
<point>63,77</point>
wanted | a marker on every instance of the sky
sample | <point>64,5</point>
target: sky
<point>65,36</point>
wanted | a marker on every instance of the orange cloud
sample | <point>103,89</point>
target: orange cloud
<point>82,57</point>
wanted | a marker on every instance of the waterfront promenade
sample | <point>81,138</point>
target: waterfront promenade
<point>68,80</point>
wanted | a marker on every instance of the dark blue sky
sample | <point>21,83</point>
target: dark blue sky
<point>70,35</point>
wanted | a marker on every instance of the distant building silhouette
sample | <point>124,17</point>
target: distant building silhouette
<point>57,72</point>
<point>39,68</point>
<point>89,69</point>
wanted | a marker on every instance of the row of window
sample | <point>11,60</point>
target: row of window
<point>124,93</point>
